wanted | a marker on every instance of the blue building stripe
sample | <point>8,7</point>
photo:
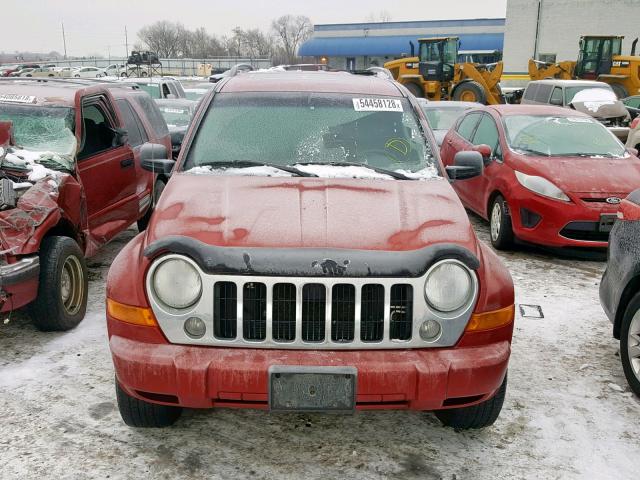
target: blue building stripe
<point>390,45</point>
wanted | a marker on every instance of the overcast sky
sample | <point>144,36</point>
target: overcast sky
<point>97,26</point>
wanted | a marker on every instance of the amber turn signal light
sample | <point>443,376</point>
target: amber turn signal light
<point>491,320</point>
<point>131,314</point>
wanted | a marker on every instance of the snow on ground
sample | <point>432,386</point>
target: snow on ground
<point>568,413</point>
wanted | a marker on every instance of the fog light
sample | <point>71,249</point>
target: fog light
<point>195,327</point>
<point>430,330</point>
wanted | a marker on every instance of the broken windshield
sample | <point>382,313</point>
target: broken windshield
<point>560,136</point>
<point>309,128</point>
<point>48,130</point>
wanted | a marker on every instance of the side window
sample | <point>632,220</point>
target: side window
<point>543,93</point>
<point>153,115</point>
<point>98,133</point>
<point>530,92</point>
<point>467,125</point>
<point>165,90</point>
<point>133,129</point>
<point>556,96</point>
<point>487,134</point>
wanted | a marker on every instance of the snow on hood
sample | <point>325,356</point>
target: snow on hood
<point>322,171</point>
<point>599,103</point>
<point>258,171</point>
<point>33,162</point>
<point>334,171</point>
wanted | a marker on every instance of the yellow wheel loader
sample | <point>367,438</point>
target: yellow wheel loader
<point>436,75</point>
<point>601,59</point>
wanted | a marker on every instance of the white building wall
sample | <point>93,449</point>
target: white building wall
<point>562,22</point>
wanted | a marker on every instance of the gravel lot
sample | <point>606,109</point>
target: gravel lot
<point>568,412</point>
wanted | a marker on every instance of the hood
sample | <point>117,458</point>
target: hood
<point>299,212</point>
<point>597,109</point>
<point>585,175</point>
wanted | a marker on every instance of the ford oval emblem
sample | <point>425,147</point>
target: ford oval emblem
<point>613,200</point>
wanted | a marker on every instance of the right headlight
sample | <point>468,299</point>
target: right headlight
<point>176,283</point>
<point>541,186</point>
<point>448,286</point>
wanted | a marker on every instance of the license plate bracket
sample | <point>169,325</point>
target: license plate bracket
<point>294,388</point>
<point>606,222</point>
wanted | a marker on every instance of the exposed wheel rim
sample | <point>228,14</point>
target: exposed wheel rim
<point>496,221</point>
<point>72,285</point>
<point>633,344</point>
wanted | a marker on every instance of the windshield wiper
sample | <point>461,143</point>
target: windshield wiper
<point>531,150</point>
<point>251,163</point>
<point>382,171</point>
<point>583,154</point>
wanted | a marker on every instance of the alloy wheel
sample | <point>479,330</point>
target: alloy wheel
<point>496,220</point>
<point>633,344</point>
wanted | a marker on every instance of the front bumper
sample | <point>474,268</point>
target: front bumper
<point>205,377</point>
<point>555,216</point>
<point>19,283</point>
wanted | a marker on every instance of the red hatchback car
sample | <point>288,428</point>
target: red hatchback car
<point>552,176</point>
<point>308,254</point>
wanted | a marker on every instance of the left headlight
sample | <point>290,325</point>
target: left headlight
<point>449,286</point>
<point>541,186</point>
<point>176,283</point>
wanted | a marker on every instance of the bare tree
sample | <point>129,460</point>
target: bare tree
<point>162,37</point>
<point>292,31</point>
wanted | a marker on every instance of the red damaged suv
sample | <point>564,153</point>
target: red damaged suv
<point>309,254</point>
<point>70,180</point>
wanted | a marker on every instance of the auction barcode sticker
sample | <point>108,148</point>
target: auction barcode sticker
<point>377,105</point>
<point>13,98</point>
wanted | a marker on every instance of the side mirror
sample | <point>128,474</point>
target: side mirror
<point>121,136</point>
<point>171,96</point>
<point>466,165</point>
<point>556,101</point>
<point>154,158</point>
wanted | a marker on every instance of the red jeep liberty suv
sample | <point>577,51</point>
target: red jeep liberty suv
<point>309,254</point>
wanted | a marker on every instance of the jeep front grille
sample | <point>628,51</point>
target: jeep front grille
<point>310,313</point>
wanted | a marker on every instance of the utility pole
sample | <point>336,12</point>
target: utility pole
<point>64,42</point>
<point>126,42</point>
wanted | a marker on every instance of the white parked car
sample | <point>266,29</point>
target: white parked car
<point>89,72</point>
<point>115,69</point>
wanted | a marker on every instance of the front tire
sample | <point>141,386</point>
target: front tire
<point>470,92</point>
<point>140,414</point>
<point>63,286</point>
<point>477,416</point>
<point>630,343</point>
<point>500,228</point>
<point>415,90</point>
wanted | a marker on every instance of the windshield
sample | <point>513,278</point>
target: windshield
<point>296,128</point>
<point>560,136</point>
<point>175,116</point>
<point>41,129</point>
<point>152,89</point>
<point>570,92</point>
<point>443,118</point>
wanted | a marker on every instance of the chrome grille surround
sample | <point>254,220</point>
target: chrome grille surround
<point>171,321</point>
